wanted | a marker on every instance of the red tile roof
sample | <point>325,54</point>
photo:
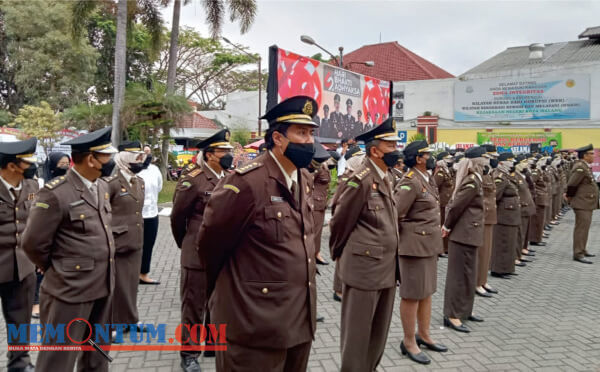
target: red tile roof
<point>195,120</point>
<point>393,62</point>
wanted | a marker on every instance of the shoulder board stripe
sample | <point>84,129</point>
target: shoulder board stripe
<point>353,184</point>
<point>248,167</point>
<point>232,188</point>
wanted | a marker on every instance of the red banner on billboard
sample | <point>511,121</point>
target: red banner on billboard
<point>349,103</point>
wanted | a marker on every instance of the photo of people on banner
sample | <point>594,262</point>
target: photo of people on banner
<point>349,103</point>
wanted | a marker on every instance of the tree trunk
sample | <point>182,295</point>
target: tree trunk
<point>120,70</point>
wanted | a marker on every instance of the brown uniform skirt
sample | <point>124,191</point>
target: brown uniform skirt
<point>536,225</point>
<point>484,254</point>
<point>418,277</point>
<point>461,279</point>
<point>506,241</point>
<point>127,267</point>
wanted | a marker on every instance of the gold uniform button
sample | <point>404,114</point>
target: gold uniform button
<point>265,290</point>
<point>278,214</point>
<point>16,221</point>
<point>309,260</point>
<point>304,236</point>
<point>368,253</point>
<point>138,225</point>
<point>77,267</point>
<point>309,284</point>
<point>106,226</point>
<point>423,233</point>
<point>82,216</point>
<point>17,208</point>
<point>111,260</point>
<point>137,213</point>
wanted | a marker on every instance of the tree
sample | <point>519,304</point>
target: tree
<point>240,133</point>
<point>417,137</point>
<point>5,118</point>
<point>39,61</point>
<point>87,116</point>
<point>41,122</point>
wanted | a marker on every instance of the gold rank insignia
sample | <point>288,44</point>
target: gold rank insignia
<point>123,189</point>
<point>106,196</point>
<point>227,136</point>
<point>307,189</point>
<point>30,196</point>
<point>308,108</point>
<point>374,186</point>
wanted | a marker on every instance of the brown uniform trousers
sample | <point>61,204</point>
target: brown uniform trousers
<point>261,279</point>
<point>583,193</point>
<point>126,201</point>
<point>364,236</point>
<point>464,217</point>
<point>506,232</point>
<point>536,227</point>
<point>557,191</point>
<point>337,282</point>
<point>322,177</point>
<point>65,221</point>
<point>17,281</point>
<point>191,196</point>
<point>444,180</point>
<point>549,190</point>
<point>527,210</point>
<point>484,253</point>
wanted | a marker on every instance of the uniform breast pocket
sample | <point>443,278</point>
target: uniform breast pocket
<point>79,217</point>
<point>276,217</point>
<point>375,208</point>
<point>7,214</point>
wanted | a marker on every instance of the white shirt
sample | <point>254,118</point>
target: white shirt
<point>11,187</point>
<point>153,183</point>
<point>425,175</point>
<point>341,164</point>
<point>380,172</point>
<point>85,181</point>
<point>289,179</point>
<point>219,176</point>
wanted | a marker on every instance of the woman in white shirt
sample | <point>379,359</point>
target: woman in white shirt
<point>153,184</point>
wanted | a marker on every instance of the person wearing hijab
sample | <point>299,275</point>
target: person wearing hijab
<point>126,193</point>
<point>57,164</point>
<point>536,227</point>
<point>464,225</point>
<point>444,180</point>
<point>321,179</point>
<point>527,206</point>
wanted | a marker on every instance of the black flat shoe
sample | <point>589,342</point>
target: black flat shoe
<point>490,290</point>
<point>528,254</point>
<point>521,264</point>
<point>336,297</point>
<point>433,347</point>
<point>583,260</point>
<point>515,274</point>
<point>531,250</point>
<point>420,358</point>
<point>460,328</point>
<point>320,318</point>
<point>321,262</point>
<point>498,275</point>
<point>475,318</point>
<point>35,315</point>
<point>540,244</point>
<point>153,282</point>
<point>190,364</point>
<point>525,260</point>
<point>589,255</point>
<point>483,294</point>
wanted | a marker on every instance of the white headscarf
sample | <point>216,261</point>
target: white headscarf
<point>124,158</point>
<point>354,162</point>
<point>469,166</point>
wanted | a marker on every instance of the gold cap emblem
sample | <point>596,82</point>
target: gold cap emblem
<point>308,108</point>
<point>227,136</point>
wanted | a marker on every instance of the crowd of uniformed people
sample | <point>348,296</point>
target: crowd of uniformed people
<point>250,238</point>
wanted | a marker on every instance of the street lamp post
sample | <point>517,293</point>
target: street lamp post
<point>259,60</point>
<point>310,41</point>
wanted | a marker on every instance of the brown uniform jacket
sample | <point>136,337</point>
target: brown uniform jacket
<point>582,188</point>
<point>507,199</point>
<point>322,177</point>
<point>541,193</point>
<point>127,222</point>
<point>554,180</point>
<point>191,196</point>
<point>419,217</point>
<point>258,245</point>
<point>445,185</point>
<point>525,197</point>
<point>69,236</point>
<point>364,231</point>
<point>489,200</point>
<point>14,264</point>
<point>397,173</point>
<point>464,214</point>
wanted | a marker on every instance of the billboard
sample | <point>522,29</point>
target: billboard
<point>521,99</point>
<point>519,142</point>
<point>398,102</point>
<point>349,103</point>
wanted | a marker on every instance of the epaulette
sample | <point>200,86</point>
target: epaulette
<point>248,167</point>
<point>363,173</point>
<point>472,177</point>
<point>111,178</point>
<point>55,182</point>
<point>194,173</point>
<point>190,166</point>
<point>409,174</point>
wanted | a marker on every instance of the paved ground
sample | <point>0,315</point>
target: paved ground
<point>545,319</point>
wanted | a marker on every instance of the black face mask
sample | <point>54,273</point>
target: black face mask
<point>147,162</point>
<point>533,166</point>
<point>331,166</point>
<point>59,171</point>
<point>543,167</point>
<point>512,169</point>
<point>136,167</point>
<point>430,164</point>
<point>405,168</point>
<point>300,154</point>
<point>486,170</point>
<point>494,163</point>
<point>226,161</point>
<point>107,167</point>
<point>30,172</point>
<point>450,165</point>
<point>391,158</point>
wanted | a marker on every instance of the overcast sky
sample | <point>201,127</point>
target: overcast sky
<point>455,35</point>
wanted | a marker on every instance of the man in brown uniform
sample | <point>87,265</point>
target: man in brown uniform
<point>321,179</point>
<point>17,280</point>
<point>126,192</point>
<point>364,236</point>
<point>257,240</point>
<point>527,206</point>
<point>582,194</point>
<point>536,228</point>
<point>445,185</point>
<point>69,237</point>
<point>192,194</point>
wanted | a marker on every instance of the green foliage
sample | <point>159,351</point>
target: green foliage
<point>5,118</point>
<point>166,194</point>
<point>87,116</point>
<point>240,134</point>
<point>427,113</point>
<point>45,63</point>
<point>41,122</point>
<point>417,137</point>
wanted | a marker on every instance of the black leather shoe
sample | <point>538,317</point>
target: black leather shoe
<point>531,250</point>
<point>321,262</point>
<point>460,328</point>
<point>483,294</point>
<point>420,358</point>
<point>525,260</point>
<point>547,228</point>
<point>589,255</point>
<point>320,318</point>
<point>433,347</point>
<point>152,282</point>
<point>190,364</point>
<point>528,254</point>
<point>540,244</point>
<point>475,318</point>
<point>515,274</point>
<point>521,264</point>
<point>583,260</point>
<point>490,290</point>
<point>443,255</point>
<point>336,297</point>
<point>28,368</point>
<point>499,275</point>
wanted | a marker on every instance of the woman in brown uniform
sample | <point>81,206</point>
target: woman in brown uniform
<point>464,226</point>
<point>418,206</point>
